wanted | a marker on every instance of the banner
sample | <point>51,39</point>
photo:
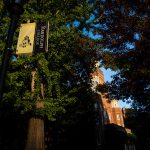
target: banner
<point>41,37</point>
<point>26,39</point>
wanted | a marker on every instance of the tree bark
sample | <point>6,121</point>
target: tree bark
<point>35,137</point>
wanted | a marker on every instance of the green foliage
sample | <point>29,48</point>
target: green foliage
<point>132,138</point>
<point>65,72</point>
<point>64,69</point>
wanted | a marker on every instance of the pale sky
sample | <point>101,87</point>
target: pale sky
<point>107,77</point>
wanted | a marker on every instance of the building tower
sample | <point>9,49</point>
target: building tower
<point>112,113</point>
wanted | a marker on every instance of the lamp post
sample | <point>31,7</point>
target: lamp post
<point>15,8</point>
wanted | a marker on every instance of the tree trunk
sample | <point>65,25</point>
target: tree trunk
<point>35,137</point>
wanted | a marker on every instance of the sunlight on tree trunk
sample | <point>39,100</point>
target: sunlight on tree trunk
<point>35,137</point>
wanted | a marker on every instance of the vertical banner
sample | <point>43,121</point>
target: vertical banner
<point>26,39</point>
<point>41,37</point>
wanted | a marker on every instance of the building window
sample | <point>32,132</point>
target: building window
<point>118,117</point>
<point>94,85</point>
<point>121,117</point>
<point>109,116</point>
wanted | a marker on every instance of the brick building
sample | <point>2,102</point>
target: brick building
<point>112,113</point>
<point>111,118</point>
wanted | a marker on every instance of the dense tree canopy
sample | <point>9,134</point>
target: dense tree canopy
<point>64,70</point>
<point>66,66</point>
<point>124,28</point>
<point>122,41</point>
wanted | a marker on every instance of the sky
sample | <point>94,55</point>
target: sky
<point>108,73</point>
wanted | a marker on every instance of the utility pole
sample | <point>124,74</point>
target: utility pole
<point>15,8</point>
<point>35,137</point>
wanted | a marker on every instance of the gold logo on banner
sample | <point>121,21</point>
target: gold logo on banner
<point>26,39</point>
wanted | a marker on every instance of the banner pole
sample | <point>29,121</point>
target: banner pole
<point>15,9</point>
<point>7,53</point>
